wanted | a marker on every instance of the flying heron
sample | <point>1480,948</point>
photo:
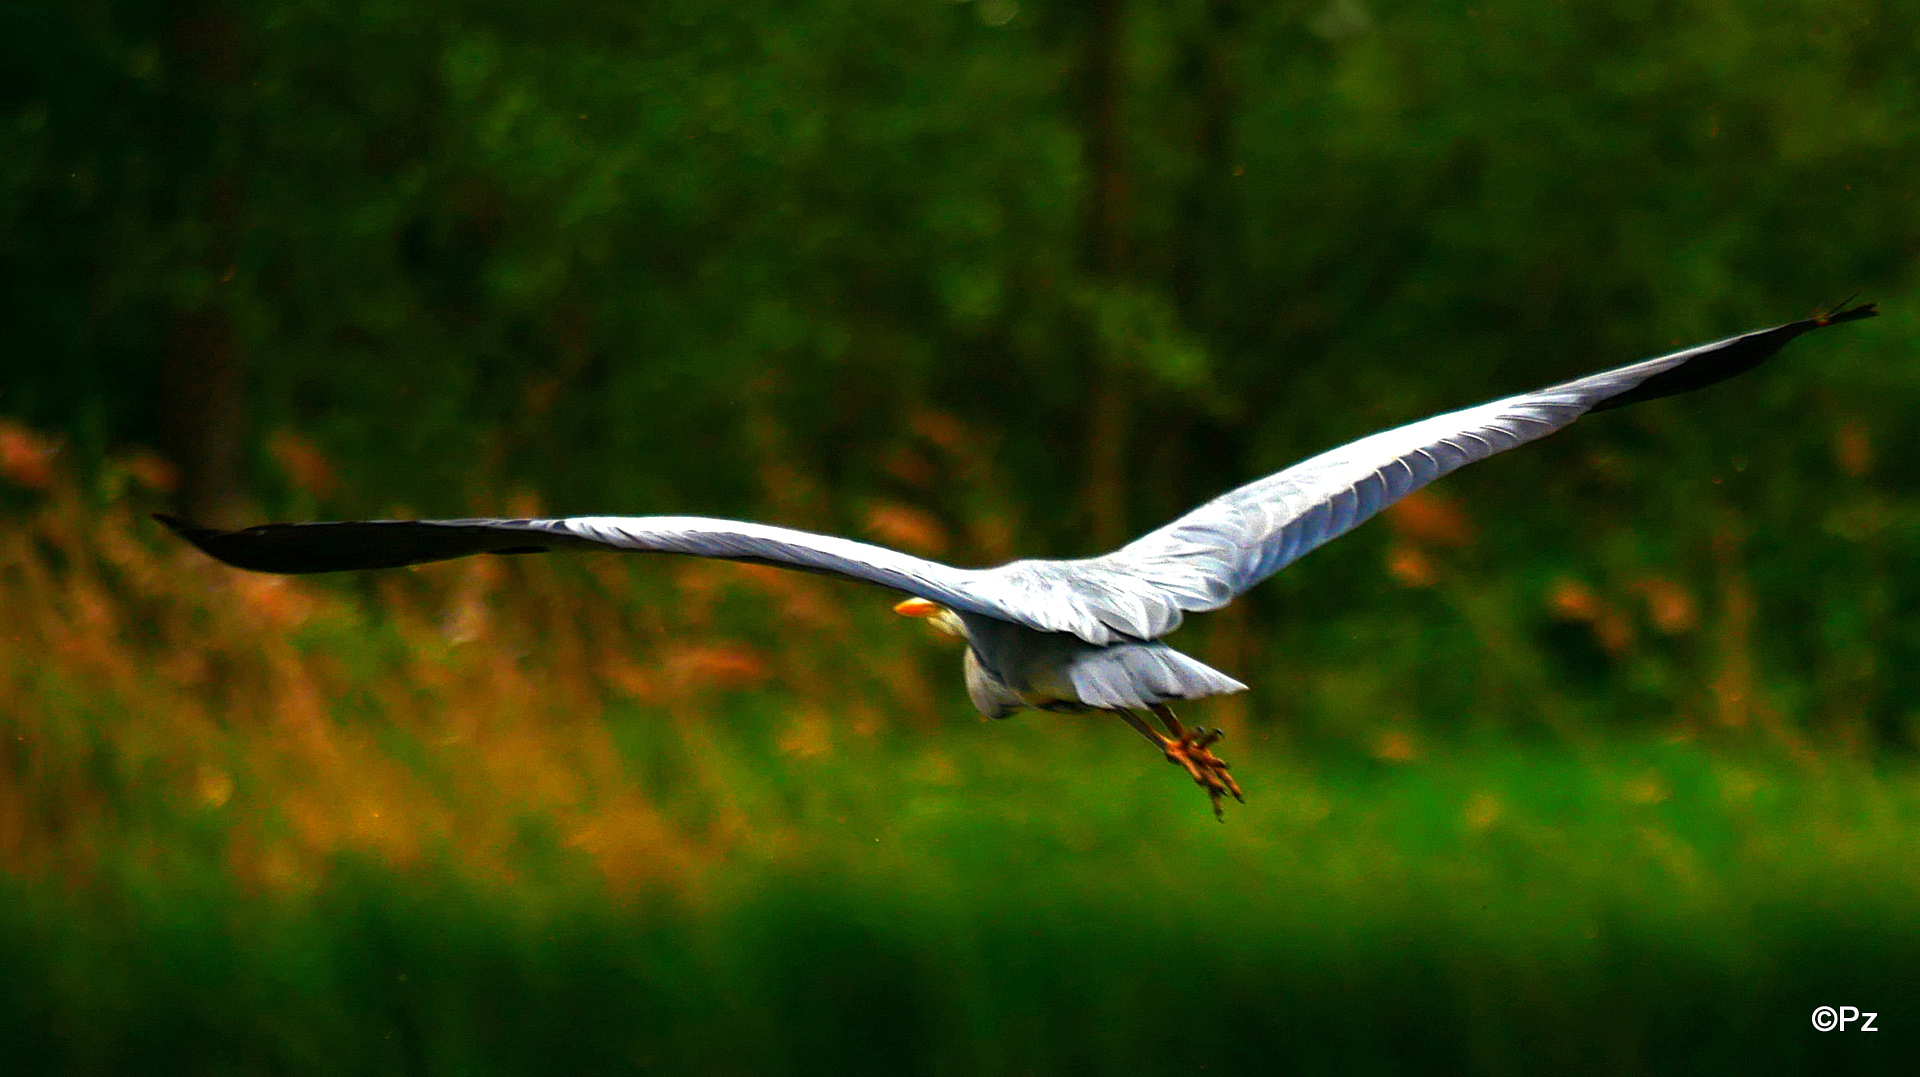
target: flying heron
<point>1067,634</point>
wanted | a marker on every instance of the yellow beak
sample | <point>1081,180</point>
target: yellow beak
<point>917,607</point>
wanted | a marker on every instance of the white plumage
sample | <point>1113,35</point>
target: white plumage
<point>1070,633</point>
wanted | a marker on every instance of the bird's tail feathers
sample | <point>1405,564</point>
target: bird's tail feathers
<point>1142,674</point>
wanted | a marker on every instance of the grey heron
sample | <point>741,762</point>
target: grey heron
<point>1066,634</point>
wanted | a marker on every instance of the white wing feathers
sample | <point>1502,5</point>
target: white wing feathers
<point>958,588</point>
<point>1202,560</point>
<point>1046,596</point>
<point>1141,591</point>
<point>1206,558</point>
<point>349,545</point>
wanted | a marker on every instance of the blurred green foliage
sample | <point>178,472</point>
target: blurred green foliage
<point>1597,758</point>
<point>1647,909</point>
<point>744,259</point>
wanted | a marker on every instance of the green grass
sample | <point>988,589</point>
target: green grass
<point>1026,898</point>
<point>509,818</point>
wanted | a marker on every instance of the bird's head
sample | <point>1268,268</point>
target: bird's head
<point>943,620</point>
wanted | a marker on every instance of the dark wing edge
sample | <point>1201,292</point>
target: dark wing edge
<point>349,545</point>
<point>1728,358</point>
<point>1207,557</point>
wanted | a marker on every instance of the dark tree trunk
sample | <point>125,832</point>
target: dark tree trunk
<point>1108,401</point>
<point>202,392</point>
<point>202,421</point>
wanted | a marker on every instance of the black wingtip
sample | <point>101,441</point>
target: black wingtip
<point>352,545</point>
<point>1714,363</point>
<point>187,529</point>
<point>1840,312</point>
<point>204,539</point>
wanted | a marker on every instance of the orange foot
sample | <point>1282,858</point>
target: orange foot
<point>1192,749</point>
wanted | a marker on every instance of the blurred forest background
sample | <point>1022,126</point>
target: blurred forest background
<point>1597,757</point>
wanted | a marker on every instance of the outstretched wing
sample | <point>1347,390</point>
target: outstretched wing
<point>1141,591</point>
<point>366,544</point>
<point>1205,558</point>
<point>346,545</point>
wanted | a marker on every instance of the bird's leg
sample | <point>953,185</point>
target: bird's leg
<point>1192,749</point>
<point>1141,727</point>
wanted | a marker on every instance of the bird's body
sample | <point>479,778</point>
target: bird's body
<point>1010,666</point>
<point>1070,634</point>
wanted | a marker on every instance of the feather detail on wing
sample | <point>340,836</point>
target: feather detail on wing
<point>1202,560</point>
<point>348,545</point>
